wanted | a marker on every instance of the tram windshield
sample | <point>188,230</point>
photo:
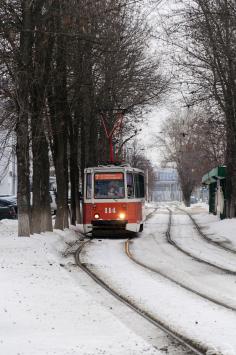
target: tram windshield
<point>109,185</point>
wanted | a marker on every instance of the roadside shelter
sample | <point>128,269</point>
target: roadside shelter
<point>216,181</point>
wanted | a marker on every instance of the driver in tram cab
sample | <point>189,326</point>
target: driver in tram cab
<point>113,190</point>
<point>130,190</point>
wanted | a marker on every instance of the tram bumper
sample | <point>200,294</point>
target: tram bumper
<point>112,224</point>
<point>101,227</point>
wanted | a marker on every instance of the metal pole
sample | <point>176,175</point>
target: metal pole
<point>13,172</point>
<point>111,150</point>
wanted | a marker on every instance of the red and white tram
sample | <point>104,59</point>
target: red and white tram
<point>114,198</point>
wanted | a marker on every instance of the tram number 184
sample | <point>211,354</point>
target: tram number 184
<point>110,210</point>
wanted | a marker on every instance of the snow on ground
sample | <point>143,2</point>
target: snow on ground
<point>48,306</point>
<point>150,208</point>
<point>200,207</point>
<point>203,320</point>
<point>220,231</point>
<point>187,237</point>
<point>166,259</point>
<point>183,311</point>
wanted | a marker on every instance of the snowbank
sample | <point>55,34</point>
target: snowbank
<point>221,231</point>
<point>48,306</point>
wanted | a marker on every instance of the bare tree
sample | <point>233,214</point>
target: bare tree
<point>25,53</point>
<point>186,141</point>
<point>64,62</point>
<point>204,37</point>
<point>109,71</point>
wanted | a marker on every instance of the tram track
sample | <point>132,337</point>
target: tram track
<point>188,344</point>
<point>188,253</point>
<point>150,214</point>
<point>204,236</point>
<point>178,283</point>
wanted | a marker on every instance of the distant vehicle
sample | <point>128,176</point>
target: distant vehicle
<point>193,199</point>
<point>9,200</point>
<point>8,207</point>
<point>53,202</point>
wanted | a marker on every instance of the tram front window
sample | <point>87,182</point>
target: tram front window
<point>109,185</point>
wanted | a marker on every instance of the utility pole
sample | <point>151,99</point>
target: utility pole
<point>147,187</point>
<point>13,192</point>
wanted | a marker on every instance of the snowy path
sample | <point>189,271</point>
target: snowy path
<point>48,306</point>
<point>222,232</point>
<point>187,237</point>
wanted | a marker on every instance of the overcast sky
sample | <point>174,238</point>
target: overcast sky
<point>173,100</point>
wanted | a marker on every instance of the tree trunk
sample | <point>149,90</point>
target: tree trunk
<point>82,149</point>
<point>41,211</point>
<point>62,202</point>
<point>74,172</point>
<point>93,140</point>
<point>187,201</point>
<point>46,217</point>
<point>23,183</point>
<point>186,185</point>
<point>22,131</point>
<point>59,116</point>
<point>231,168</point>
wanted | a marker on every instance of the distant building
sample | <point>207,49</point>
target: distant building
<point>8,173</point>
<point>166,186</point>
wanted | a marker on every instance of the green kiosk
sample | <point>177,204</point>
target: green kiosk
<point>216,180</point>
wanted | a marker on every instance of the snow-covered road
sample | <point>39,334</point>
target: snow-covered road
<point>49,306</point>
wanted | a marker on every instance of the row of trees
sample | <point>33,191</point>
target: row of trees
<point>202,38</point>
<point>62,62</point>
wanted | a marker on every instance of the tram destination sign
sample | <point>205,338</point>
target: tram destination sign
<point>109,176</point>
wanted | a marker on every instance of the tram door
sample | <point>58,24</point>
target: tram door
<point>88,190</point>
<point>140,195</point>
<point>135,194</point>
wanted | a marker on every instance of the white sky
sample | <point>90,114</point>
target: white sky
<point>150,129</point>
<point>172,100</point>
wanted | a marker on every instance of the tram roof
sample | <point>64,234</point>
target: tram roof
<point>113,167</point>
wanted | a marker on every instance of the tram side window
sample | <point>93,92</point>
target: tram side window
<point>139,186</point>
<point>89,185</point>
<point>130,185</point>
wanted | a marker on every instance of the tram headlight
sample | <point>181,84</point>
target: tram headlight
<point>122,215</point>
<point>96,216</point>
